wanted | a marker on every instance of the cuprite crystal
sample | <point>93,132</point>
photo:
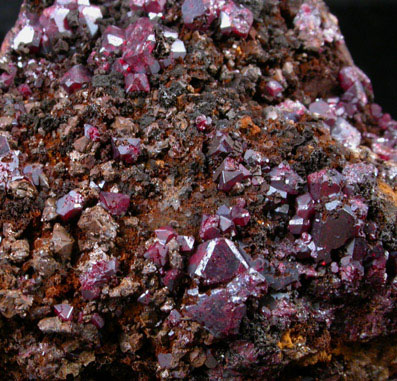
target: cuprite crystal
<point>157,253</point>
<point>273,88</point>
<point>209,227</point>
<point>97,275</point>
<point>298,225</point>
<point>284,178</point>
<point>97,320</point>
<point>171,279</point>
<point>199,13</point>
<point>333,231</point>
<point>91,132</point>
<point>136,82</point>
<point>216,261</point>
<point>64,311</point>
<point>75,78</point>
<point>239,215</point>
<point>154,6</point>
<point>113,39</point>
<point>165,234</point>
<point>126,149</point>
<point>324,183</point>
<point>235,19</point>
<point>217,312</point>
<point>230,173</point>
<point>116,203</point>
<point>305,206</point>
<point>186,243</point>
<point>70,205</point>
<point>203,122</point>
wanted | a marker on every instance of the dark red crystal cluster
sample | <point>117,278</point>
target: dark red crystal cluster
<point>194,189</point>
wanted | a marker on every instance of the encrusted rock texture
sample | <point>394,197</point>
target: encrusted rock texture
<point>197,190</point>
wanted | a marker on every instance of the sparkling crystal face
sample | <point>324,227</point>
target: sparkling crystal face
<point>116,203</point>
<point>216,261</point>
<point>70,205</point>
<point>64,311</point>
<point>75,78</point>
<point>97,275</point>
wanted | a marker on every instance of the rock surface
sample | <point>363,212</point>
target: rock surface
<point>193,189</point>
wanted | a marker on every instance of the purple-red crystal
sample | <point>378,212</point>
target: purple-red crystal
<point>97,320</point>
<point>305,206</point>
<point>116,203</point>
<point>70,205</point>
<point>64,311</point>
<point>165,234</point>
<point>126,149</point>
<point>209,227</point>
<point>240,216</point>
<point>75,78</point>
<point>216,261</point>
<point>217,312</point>
<point>137,82</point>
<point>324,183</point>
<point>273,88</point>
<point>235,19</point>
<point>186,243</point>
<point>91,133</point>
<point>96,277</point>
<point>284,178</point>
<point>157,253</point>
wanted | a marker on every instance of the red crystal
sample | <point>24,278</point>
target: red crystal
<point>240,216</point>
<point>333,231</point>
<point>75,78</point>
<point>165,234</point>
<point>199,14</point>
<point>186,243</point>
<point>136,82</point>
<point>273,88</point>
<point>324,183</point>
<point>89,15</point>
<point>209,227</point>
<point>235,19</point>
<point>154,6</point>
<point>203,122</point>
<point>171,279</point>
<point>284,178</point>
<point>25,90</point>
<point>70,205</point>
<point>298,225</point>
<point>113,39</point>
<point>64,311</point>
<point>157,253</point>
<point>230,173</point>
<point>96,277</point>
<point>349,75</point>
<point>34,172</point>
<point>304,206</point>
<point>216,261</point>
<point>127,150</point>
<point>91,133</point>
<point>222,143</point>
<point>116,203</point>
<point>218,313</point>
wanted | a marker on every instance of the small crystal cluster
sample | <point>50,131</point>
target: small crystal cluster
<point>200,14</point>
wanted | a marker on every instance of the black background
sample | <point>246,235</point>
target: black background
<point>369,27</point>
